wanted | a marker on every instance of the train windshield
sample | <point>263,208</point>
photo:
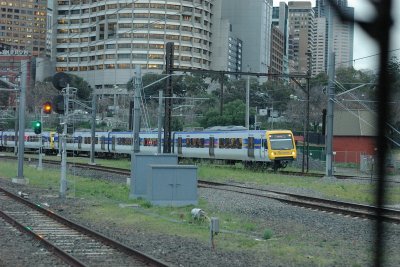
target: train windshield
<point>281,141</point>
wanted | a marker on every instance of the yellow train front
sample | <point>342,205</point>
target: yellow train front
<point>281,147</point>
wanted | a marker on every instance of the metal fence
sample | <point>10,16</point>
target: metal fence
<point>345,162</point>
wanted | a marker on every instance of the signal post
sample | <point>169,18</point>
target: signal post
<point>46,109</point>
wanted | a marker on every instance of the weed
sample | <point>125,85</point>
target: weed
<point>268,234</point>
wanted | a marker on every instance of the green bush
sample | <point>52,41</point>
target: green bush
<point>268,233</point>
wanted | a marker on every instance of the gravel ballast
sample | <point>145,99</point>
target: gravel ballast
<point>300,236</point>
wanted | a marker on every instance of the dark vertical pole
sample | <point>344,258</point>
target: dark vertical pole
<point>93,128</point>
<point>21,117</point>
<point>169,64</point>
<point>308,108</point>
<point>304,145</point>
<point>16,111</point>
<point>221,101</point>
<point>130,122</point>
<point>136,113</point>
<point>382,35</point>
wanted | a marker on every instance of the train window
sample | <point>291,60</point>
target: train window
<point>281,141</point>
<point>31,139</point>
<point>195,142</point>
<point>96,140</point>
<point>128,141</point>
<point>239,143</point>
<point>233,143</point>
<point>87,140</point>
<point>70,140</point>
<point>201,143</point>
<point>187,142</point>
<point>221,143</point>
<point>150,141</point>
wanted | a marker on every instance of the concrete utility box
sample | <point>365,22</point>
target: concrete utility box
<point>172,185</point>
<point>141,171</point>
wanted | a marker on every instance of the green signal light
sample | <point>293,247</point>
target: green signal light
<point>37,127</point>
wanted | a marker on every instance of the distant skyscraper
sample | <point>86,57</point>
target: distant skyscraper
<point>280,20</point>
<point>343,34</point>
<point>250,21</point>
<point>301,36</point>
<point>227,48</point>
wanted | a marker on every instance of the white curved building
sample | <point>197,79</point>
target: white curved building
<point>103,40</point>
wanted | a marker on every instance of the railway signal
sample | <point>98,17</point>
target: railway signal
<point>47,108</point>
<point>58,104</point>
<point>37,127</point>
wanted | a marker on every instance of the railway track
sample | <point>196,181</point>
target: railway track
<point>73,243</point>
<point>351,209</point>
<point>127,172</point>
<point>340,207</point>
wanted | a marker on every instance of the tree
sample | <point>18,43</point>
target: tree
<point>233,114</point>
<point>45,91</point>
<point>41,93</point>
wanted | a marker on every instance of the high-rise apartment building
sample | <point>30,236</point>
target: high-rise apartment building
<point>301,36</point>
<point>102,41</point>
<point>23,26</point>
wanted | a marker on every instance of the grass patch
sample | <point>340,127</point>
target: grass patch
<point>107,195</point>
<point>292,249</point>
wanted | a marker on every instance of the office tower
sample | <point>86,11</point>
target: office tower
<point>250,21</point>
<point>343,34</point>
<point>280,39</point>
<point>227,48</point>
<point>301,36</point>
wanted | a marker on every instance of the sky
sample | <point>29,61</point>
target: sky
<point>364,46</point>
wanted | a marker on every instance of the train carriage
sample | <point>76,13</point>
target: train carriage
<point>226,145</point>
<point>81,142</point>
<point>260,147</point>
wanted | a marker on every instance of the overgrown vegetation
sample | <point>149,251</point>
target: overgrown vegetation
<point>112,206</point>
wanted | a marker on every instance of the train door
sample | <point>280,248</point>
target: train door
<point>211,147</point>
<point>113,143</point>
<point>79,142</point>
<point>250,147</point>
<point>103,142</point>
<point>264,147</point>
<point>179,145</point>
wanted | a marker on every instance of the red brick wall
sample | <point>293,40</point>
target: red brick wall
<point>349,148</point>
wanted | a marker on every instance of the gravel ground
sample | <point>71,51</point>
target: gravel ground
<point>335,240</point>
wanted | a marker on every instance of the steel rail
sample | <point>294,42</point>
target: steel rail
<point>150,261</point>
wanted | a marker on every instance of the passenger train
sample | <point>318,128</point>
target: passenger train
<point>274,148</point>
